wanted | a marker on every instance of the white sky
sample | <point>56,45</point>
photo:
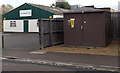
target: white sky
<point>98,3</point>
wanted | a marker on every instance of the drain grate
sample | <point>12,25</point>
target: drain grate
<point>11,57</point>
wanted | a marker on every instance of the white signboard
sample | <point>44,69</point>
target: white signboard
<point>57,16</point>
<point>25,13</point>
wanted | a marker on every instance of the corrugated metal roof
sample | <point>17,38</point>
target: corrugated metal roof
<point>84,9</point>
<point>50,9</point>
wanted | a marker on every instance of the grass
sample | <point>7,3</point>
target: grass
<point>111,49</point>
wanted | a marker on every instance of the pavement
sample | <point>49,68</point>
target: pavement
<point>94,62</point>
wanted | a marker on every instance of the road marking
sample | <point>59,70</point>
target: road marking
<point>11,57</point>
<point>77,65</point>
<point>1,58</point>
<point>34,52</point>
<point>5,34</point>
<point>109,66</point>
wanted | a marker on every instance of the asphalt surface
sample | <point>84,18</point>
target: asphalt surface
<point>22,66</point>
<point>16,66</point>
<point>21,40</point>
<point>21,44</point>
<point>65,57</point>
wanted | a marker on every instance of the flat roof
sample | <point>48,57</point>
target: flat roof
<point>85,9</point>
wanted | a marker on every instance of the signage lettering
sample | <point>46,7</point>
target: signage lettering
<point>25,13</point>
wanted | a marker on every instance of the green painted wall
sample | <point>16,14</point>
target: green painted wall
<point>36,13</point>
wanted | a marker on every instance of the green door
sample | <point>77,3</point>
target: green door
<point>25,25</point>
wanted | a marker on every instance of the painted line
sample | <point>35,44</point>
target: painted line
<point>5,34</point>
<point>11,57</point>
<point>34,52</point>
<point>109,66</point>
<point>1,58</point>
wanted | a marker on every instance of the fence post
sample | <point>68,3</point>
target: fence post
<point>118,25</point>
<point>41,34</point>
<point>51,32</point>
<point>2,35</point>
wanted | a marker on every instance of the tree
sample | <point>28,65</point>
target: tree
<point>61,4</point>
<point>6,8</point>
<point>9,7</point>
<point>64,5</point>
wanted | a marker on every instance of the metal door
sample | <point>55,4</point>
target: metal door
<point>93,29</point>
<point>73,35</point>
<point>25,25</point>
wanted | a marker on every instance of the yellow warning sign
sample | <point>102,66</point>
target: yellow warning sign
<point>72,22</point>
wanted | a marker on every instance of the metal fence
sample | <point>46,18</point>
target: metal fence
<point>115,25</point>
<point>50,32</point>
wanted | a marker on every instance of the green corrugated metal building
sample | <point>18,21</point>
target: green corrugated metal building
<point>24,18</point>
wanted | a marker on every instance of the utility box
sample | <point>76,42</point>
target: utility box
<point>87,27</point>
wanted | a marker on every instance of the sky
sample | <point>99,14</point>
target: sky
<point>97,3</point>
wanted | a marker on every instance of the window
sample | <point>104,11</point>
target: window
<point>12,23</point>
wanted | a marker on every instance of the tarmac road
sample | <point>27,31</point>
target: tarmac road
<point>20,44</point>
<point>16,66</point>
<point>21,40</point>
<point>21,66</point>
<point>65,57</point>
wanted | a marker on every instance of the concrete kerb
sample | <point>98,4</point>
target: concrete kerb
<point>69,64</point>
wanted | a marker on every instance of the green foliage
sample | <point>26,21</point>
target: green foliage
<point>64,5</point>
<point>61,4</point>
